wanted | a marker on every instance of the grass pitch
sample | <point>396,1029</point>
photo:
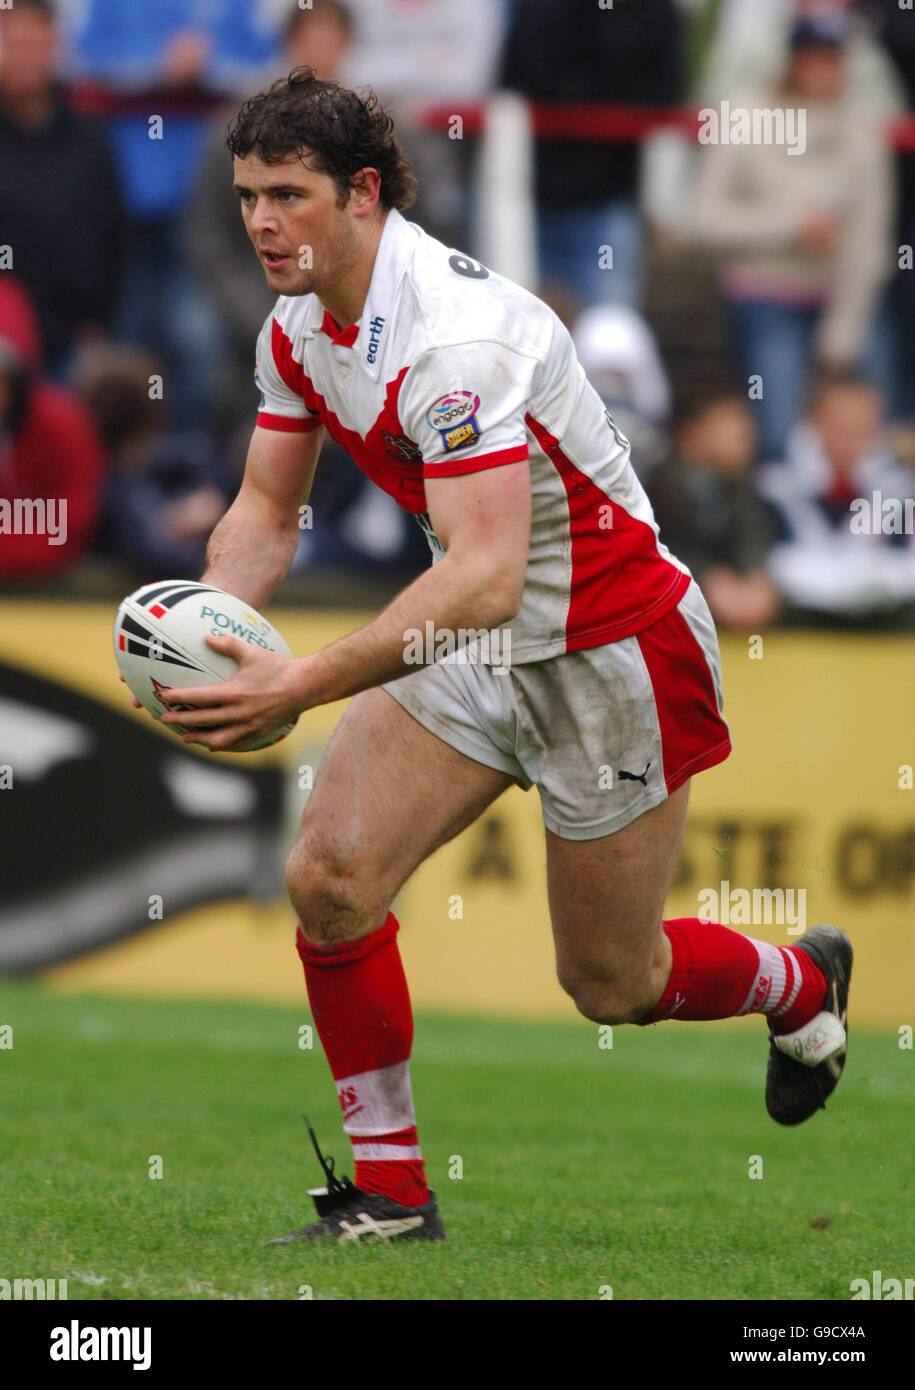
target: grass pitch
<point>582,1167</point>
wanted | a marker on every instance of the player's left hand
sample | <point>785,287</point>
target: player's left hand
<point>259,698</point>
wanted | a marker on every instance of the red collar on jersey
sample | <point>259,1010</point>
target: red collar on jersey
<point>346,338</point>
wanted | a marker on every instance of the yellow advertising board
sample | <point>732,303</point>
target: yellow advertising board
<point>812,818</point>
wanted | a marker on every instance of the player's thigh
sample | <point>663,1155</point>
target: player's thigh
<point>607,895</point>
<point>387,793</point>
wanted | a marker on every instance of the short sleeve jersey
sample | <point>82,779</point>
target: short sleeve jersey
<point>453,369</point>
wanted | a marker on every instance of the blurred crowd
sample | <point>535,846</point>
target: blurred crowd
<point>752,330</point>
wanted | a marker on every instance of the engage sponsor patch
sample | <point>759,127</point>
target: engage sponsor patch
<point>454,417</point>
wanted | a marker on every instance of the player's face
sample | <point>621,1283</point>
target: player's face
<point>305,240</point>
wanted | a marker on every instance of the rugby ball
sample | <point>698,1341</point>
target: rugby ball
<point>158,642</point>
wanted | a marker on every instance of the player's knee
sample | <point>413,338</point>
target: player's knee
<point>330,898</point>
<point>606,998</point>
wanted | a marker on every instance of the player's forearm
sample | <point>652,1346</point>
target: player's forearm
<point>249,554</point>
<point>432,610</point>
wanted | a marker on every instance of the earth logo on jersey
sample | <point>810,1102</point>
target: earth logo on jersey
<point>454,417</point>
<point>375,330</point>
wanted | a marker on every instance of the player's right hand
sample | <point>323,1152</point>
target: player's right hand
<point>133,699</point>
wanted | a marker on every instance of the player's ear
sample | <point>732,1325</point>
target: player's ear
<point>365,191</point>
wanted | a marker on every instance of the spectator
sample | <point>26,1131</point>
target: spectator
<point>165,491</point>
<point>320,38</point>
<point>620,358</point>
<point>171,62</point>
<point>60,209</point>
<point>839,549</point>
<point>587,191</point>
<point>708,510</point>
<point>804,237</point>
<point>896,30</point>
<point>49,455</point>
<point>430,52</point>
<point>427,50</point>
<point>748,43</point>
<point>219,245</point>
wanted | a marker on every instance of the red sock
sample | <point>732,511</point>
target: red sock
<point>718,973</point>
<point>361,1007</point>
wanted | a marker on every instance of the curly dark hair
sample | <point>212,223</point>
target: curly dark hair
<point>343,130</point>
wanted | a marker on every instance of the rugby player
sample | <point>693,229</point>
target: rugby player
<point>591,669</point>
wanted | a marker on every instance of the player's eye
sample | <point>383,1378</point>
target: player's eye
<point>286,195</point>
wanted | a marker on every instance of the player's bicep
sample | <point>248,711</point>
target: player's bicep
<point>483,520</point>
<point>279,472</point>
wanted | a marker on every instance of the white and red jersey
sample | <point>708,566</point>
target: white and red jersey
<point>452,369</point>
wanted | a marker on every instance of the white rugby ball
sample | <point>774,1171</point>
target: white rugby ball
<point>158,642</point>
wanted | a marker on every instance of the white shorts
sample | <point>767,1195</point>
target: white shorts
<point>604,734</point>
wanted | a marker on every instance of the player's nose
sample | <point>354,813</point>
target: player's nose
<point>261,218</point>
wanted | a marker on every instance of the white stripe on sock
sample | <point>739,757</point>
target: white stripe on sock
<point>377,1102</point>
<point>768,988</point>
<point>792,994</point>
<point>382,1152</point>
